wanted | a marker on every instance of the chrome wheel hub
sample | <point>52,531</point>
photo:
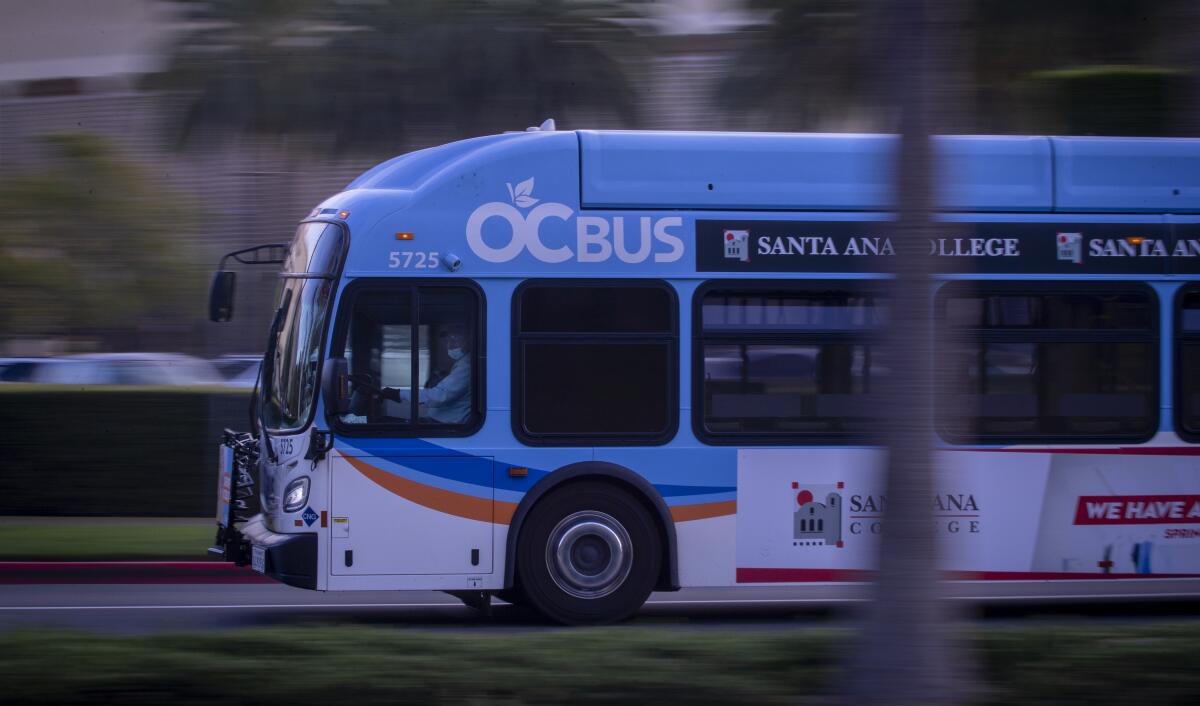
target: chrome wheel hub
<point>589,554</point>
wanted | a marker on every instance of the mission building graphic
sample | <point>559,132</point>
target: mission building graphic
<point>817,524</point>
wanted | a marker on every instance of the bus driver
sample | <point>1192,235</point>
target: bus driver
<point>449,400</point>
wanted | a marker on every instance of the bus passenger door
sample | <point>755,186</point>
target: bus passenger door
<point>404,500</point>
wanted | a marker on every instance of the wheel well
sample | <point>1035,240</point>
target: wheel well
<point>617,476</point>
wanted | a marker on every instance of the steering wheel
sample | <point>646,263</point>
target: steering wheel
<point>367,382</point>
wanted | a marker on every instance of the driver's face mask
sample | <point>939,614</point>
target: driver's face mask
<point>454,347</point>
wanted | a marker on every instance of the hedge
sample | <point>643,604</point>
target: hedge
<point>1110,100</point>
<point>113,451</point>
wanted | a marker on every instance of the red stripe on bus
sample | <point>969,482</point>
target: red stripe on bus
<point>801,575</point>
<point>853,575</point>
<point>1113,451</point>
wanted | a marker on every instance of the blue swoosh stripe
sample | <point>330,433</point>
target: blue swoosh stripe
<point>503,483</point>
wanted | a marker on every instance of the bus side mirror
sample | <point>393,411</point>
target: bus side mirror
<point>220,296</point>
<point>336,386</point>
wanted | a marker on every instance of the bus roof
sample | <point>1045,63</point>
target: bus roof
<point>591,203</point>
<point>842,172</point>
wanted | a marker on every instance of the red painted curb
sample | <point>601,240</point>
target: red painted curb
<point>133,572</point>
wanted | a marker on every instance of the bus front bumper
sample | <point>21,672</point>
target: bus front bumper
<point>287,558</point>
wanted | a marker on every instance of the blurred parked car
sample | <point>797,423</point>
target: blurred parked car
<point>114,369</point>
<point>17,369</point>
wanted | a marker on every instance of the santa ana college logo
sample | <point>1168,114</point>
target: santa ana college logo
<point>817,515</point>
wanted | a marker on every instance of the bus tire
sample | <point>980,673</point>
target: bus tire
<point>588,553</point>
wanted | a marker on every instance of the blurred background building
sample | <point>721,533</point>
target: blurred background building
<point>140,140</point>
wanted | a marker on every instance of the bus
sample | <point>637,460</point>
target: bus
<point>570,368</point>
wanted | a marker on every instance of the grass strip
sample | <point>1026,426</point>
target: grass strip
<point>367,665</point>
<point>106,541</point>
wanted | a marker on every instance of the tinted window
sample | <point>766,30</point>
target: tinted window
<point>1052,389</point>
<point>290,376</point>
<point>597,308</point>
<point>316,248</point>
<point>1187,365</point>
<point>1189,313</point>
<point>786,363</point>
<point>607,390</point>
<point>1067,364</point>
<point>789,311</point>
<point>413,360</point>
<point>1050,311</point>
<point>788,388</point>
<point>594,363</point>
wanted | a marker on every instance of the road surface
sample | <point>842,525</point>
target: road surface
<point>158,607</point>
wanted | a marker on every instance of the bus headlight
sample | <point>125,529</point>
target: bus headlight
<point>296,495</point>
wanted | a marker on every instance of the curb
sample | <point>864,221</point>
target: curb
<point>130,572</point>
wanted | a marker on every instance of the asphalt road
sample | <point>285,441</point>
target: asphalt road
<point>129,608</point>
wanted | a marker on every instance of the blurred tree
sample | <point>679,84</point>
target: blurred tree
<point>1030,66</point>
<point>367,72</point>
<point>1107,100</point>
<point>1077,66</point>
<point>87,247</point>
<point>809,69</point>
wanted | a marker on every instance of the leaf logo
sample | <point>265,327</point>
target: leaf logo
<point>522,194</point>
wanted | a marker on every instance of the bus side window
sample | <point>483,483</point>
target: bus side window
<point>412,361</point>
<point>786,362</point>
<point>595,361</point>
<point>446,347</point>
<point>1042,362</point>
<point>1187,363</point>
<point>379,356</point>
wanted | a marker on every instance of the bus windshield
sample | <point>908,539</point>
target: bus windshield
<point>290,377</point>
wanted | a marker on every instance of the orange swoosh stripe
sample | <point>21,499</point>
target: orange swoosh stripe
<point>701,511</point>
<point>498,511</point>
<point>447,501</point>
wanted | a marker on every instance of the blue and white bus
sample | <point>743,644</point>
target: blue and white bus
<point>571,368</point>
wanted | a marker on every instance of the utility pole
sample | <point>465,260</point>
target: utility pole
<point>906,654</point>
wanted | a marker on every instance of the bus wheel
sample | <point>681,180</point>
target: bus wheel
<point>588,553</point>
